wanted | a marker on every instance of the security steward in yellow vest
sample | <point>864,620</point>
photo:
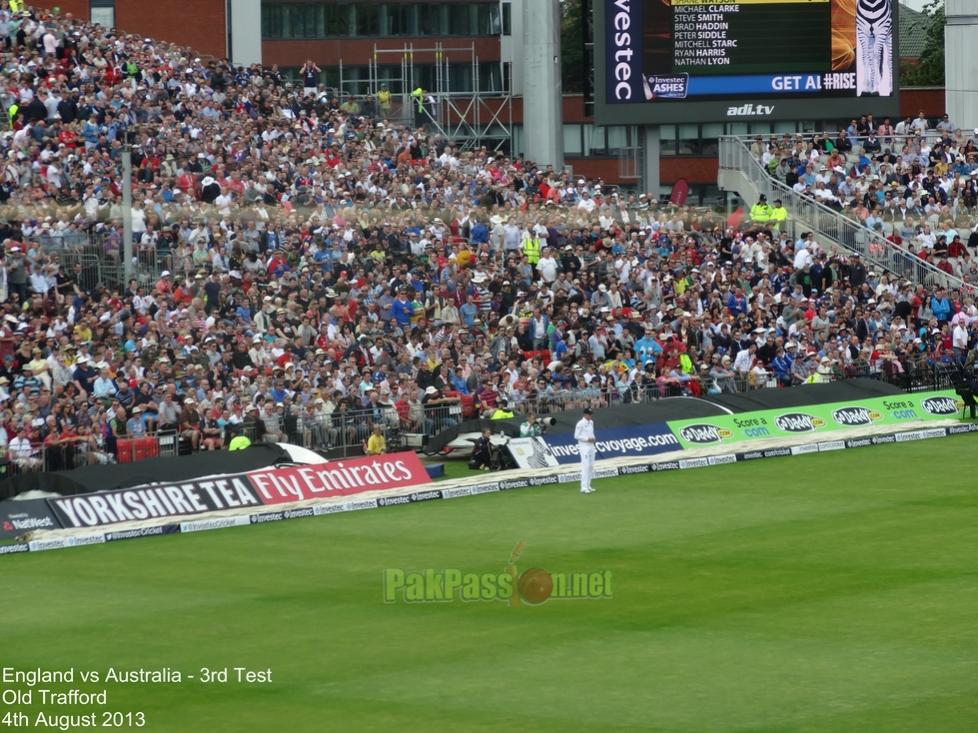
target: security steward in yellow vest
<point>779,215</point>
<point>760,213</point>
<point>384,102</point>
<point>531,248</point>
<point>418,96</point>
<point>502,412</point>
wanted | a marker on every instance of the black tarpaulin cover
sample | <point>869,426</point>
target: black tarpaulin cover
<point>121,476</point>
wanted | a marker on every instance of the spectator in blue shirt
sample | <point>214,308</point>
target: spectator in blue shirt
<point>479,233</point>
<point>458,381</point>
<point>469,311</point>
<point>781,365</point>
<point>647,349</point>
<point>736,302</point>
<point>402,309</point>
<point>940,306</point>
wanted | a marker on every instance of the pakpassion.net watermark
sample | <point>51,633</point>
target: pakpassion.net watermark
<point>533,586</point>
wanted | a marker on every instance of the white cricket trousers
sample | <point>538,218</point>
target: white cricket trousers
<point>588,453</point>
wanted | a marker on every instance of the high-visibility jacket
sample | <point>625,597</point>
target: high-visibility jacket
<point>16,5</point>
<point>760,213</point>
<point>778,215</point>
<point>531,248</point>
<point>418,95</point>
<point>384,98</point>
<point>12,113</point>
<point>685,364</point>
<point>239,442</point>
<point>501,414</point>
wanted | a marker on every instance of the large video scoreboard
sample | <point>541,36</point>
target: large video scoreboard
<point>690,61</point>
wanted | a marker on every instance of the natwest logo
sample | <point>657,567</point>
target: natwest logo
<point>750,110</point>
<point>24,521</point>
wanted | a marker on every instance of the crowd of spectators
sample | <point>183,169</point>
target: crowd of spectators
<point>915,184</point>
<point>326,272</point>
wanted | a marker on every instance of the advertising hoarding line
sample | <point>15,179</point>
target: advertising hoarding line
<point>825,421</point>
<point>447,491</point>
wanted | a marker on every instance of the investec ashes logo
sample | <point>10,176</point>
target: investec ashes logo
<point>532,587</point>
<point>704,434</point>
<point>855,416</point>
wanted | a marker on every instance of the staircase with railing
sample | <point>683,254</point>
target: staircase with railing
<point>742,173</point>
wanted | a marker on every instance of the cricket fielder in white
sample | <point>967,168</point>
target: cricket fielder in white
<point>587,447</point>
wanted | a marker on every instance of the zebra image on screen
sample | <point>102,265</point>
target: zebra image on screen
<point>874,48</point>
<point>540,456</point>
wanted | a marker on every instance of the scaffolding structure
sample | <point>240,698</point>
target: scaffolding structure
<point>469,118</point>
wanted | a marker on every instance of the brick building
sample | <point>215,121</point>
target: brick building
<point>360,43</point>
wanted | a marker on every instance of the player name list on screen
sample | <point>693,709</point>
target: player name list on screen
<point>752,36</point>
<point>699,35</point>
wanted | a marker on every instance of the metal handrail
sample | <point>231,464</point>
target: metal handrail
<point>826,222</point>
<point>927,136</point>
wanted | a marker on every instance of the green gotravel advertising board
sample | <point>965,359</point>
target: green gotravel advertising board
<point>815,419</point>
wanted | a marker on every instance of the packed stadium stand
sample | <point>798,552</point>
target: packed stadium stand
<point>305,271</point>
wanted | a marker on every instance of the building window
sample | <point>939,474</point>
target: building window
<point>617,138</point>
<point>689,139</point>
<point>367,20</point>
<point>424,76</point>
<point>507,19</point>
<point>489,23</point>
<point>307,21</point>
<point>667,139</point>
<point>711,137</point>
<point>460,20</point>
<point>272,21</point>
<point>300,20</point>
<point>104,17</point>
<point>431,20</point>
<point>102,12</point>
<point>460,78</point>
<point>491,77</point>
<point>289,73</point>
<point>572,140</point>
<point>594,142</point>
<point>331,77</point>
<point>402,20</point>
<point>517,132</point>
<point>337,20</point>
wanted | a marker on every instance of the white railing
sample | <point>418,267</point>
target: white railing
<point>825,222</point>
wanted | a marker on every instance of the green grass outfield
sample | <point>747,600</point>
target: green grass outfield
<point>834,592</point>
